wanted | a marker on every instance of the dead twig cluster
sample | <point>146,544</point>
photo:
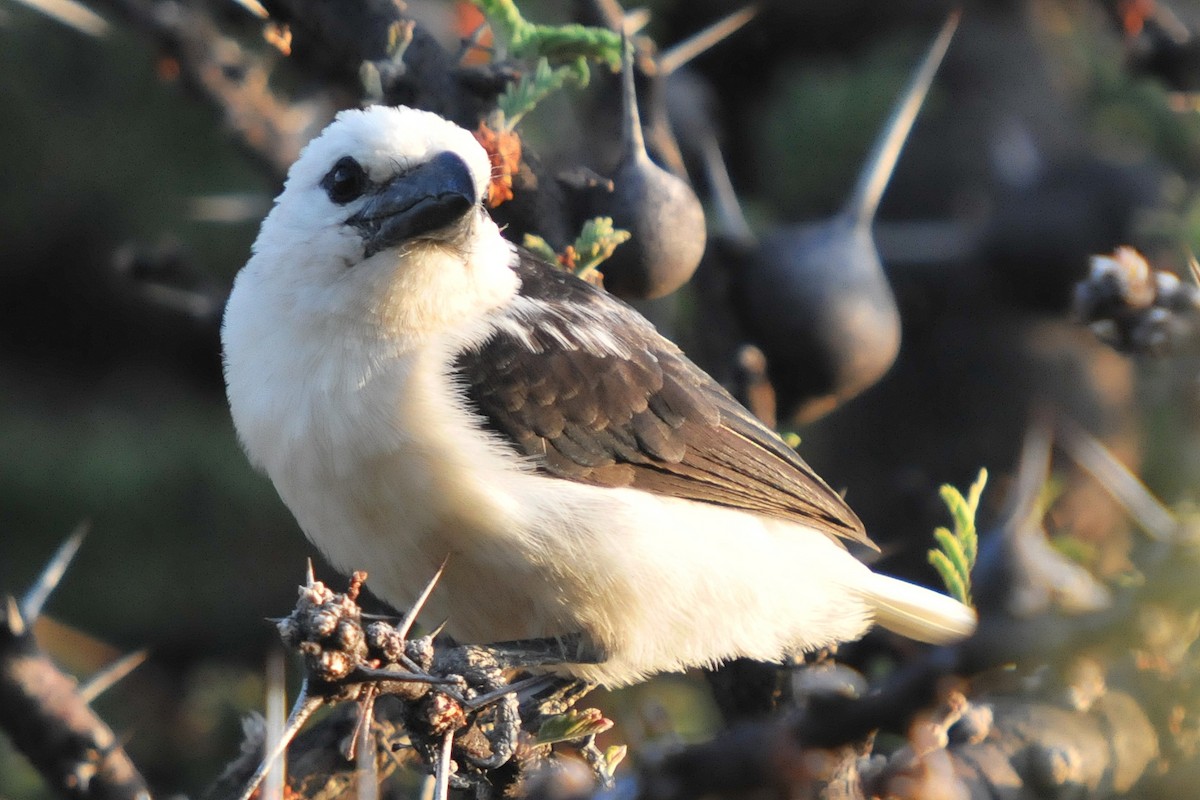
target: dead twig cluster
<point>454,707</point>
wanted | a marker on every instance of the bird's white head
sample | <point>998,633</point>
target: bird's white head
<point>381,220</point>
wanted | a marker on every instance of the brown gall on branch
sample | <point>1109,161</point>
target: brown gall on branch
<point>1134,308</point>
<point>46,715</point>
<point>464,719</point>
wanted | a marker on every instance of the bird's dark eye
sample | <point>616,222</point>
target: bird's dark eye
<point>345,182</point>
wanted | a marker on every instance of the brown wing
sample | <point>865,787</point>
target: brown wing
<point>585,387</point>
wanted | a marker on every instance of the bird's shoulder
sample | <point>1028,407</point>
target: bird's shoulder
<point>588,390</point>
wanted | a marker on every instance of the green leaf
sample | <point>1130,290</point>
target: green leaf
<point>574,724</point>
<point>614,755</point>
<point>976,491</point>
<point>592,247</point>
<point>958,549</point>
<point>561,44</point>
<point>505,19</point>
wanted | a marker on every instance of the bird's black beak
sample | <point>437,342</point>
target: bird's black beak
<point>421,201</point>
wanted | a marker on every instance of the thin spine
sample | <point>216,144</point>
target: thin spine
<point>275,781</point>
<point>35,599</point>
<point>1126,488</point>
<point>303,709</point>
<point>109,676</point>
<point>873,180</point>
<point>441,786</point>
<point>682,52</point>
<point>411,617</point>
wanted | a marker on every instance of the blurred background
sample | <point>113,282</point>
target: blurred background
<point>1054,131</point>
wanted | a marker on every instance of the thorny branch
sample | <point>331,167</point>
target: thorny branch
<point>457,710</point>
<point>46,715</point>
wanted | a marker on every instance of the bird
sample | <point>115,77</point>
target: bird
<point>422,392</point>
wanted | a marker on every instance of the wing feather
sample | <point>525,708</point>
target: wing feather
<point>594,394</point>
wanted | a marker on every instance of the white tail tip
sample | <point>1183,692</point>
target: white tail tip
<point>919,613</point>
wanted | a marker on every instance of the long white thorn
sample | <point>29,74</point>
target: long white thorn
<point>105,679</point>
<point>13,619</point>
<point>877,171</point>
<point>254,7</point>
<point>703,40</point>
<point>1090,453</point>
<point>729,208</point>
<point>276,778</point>
<point>34,600</point>
<point>74,15</point>
<point>367,765</point>
<point>613,14</point>
<point>303,709</point>
<point>441,775</point>
<point>406,624</point>
<point>1033,469</point>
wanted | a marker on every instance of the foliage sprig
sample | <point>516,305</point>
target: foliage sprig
<point>954,558</point>
<point>558,43</point>
<point>595,243</point>
<point>523,95</point>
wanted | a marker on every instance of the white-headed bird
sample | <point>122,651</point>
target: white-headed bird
<point>420,390</point>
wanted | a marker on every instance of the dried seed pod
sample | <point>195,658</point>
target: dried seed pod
<point>815,297</point>
<point>658,209</point>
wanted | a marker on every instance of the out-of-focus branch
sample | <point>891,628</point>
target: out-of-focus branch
<point>231,79</point>
<point>811,749</point>
<point>53,726</point>
<point>46,716</point>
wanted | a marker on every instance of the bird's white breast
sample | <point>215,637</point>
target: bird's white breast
<point>368,441</point>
